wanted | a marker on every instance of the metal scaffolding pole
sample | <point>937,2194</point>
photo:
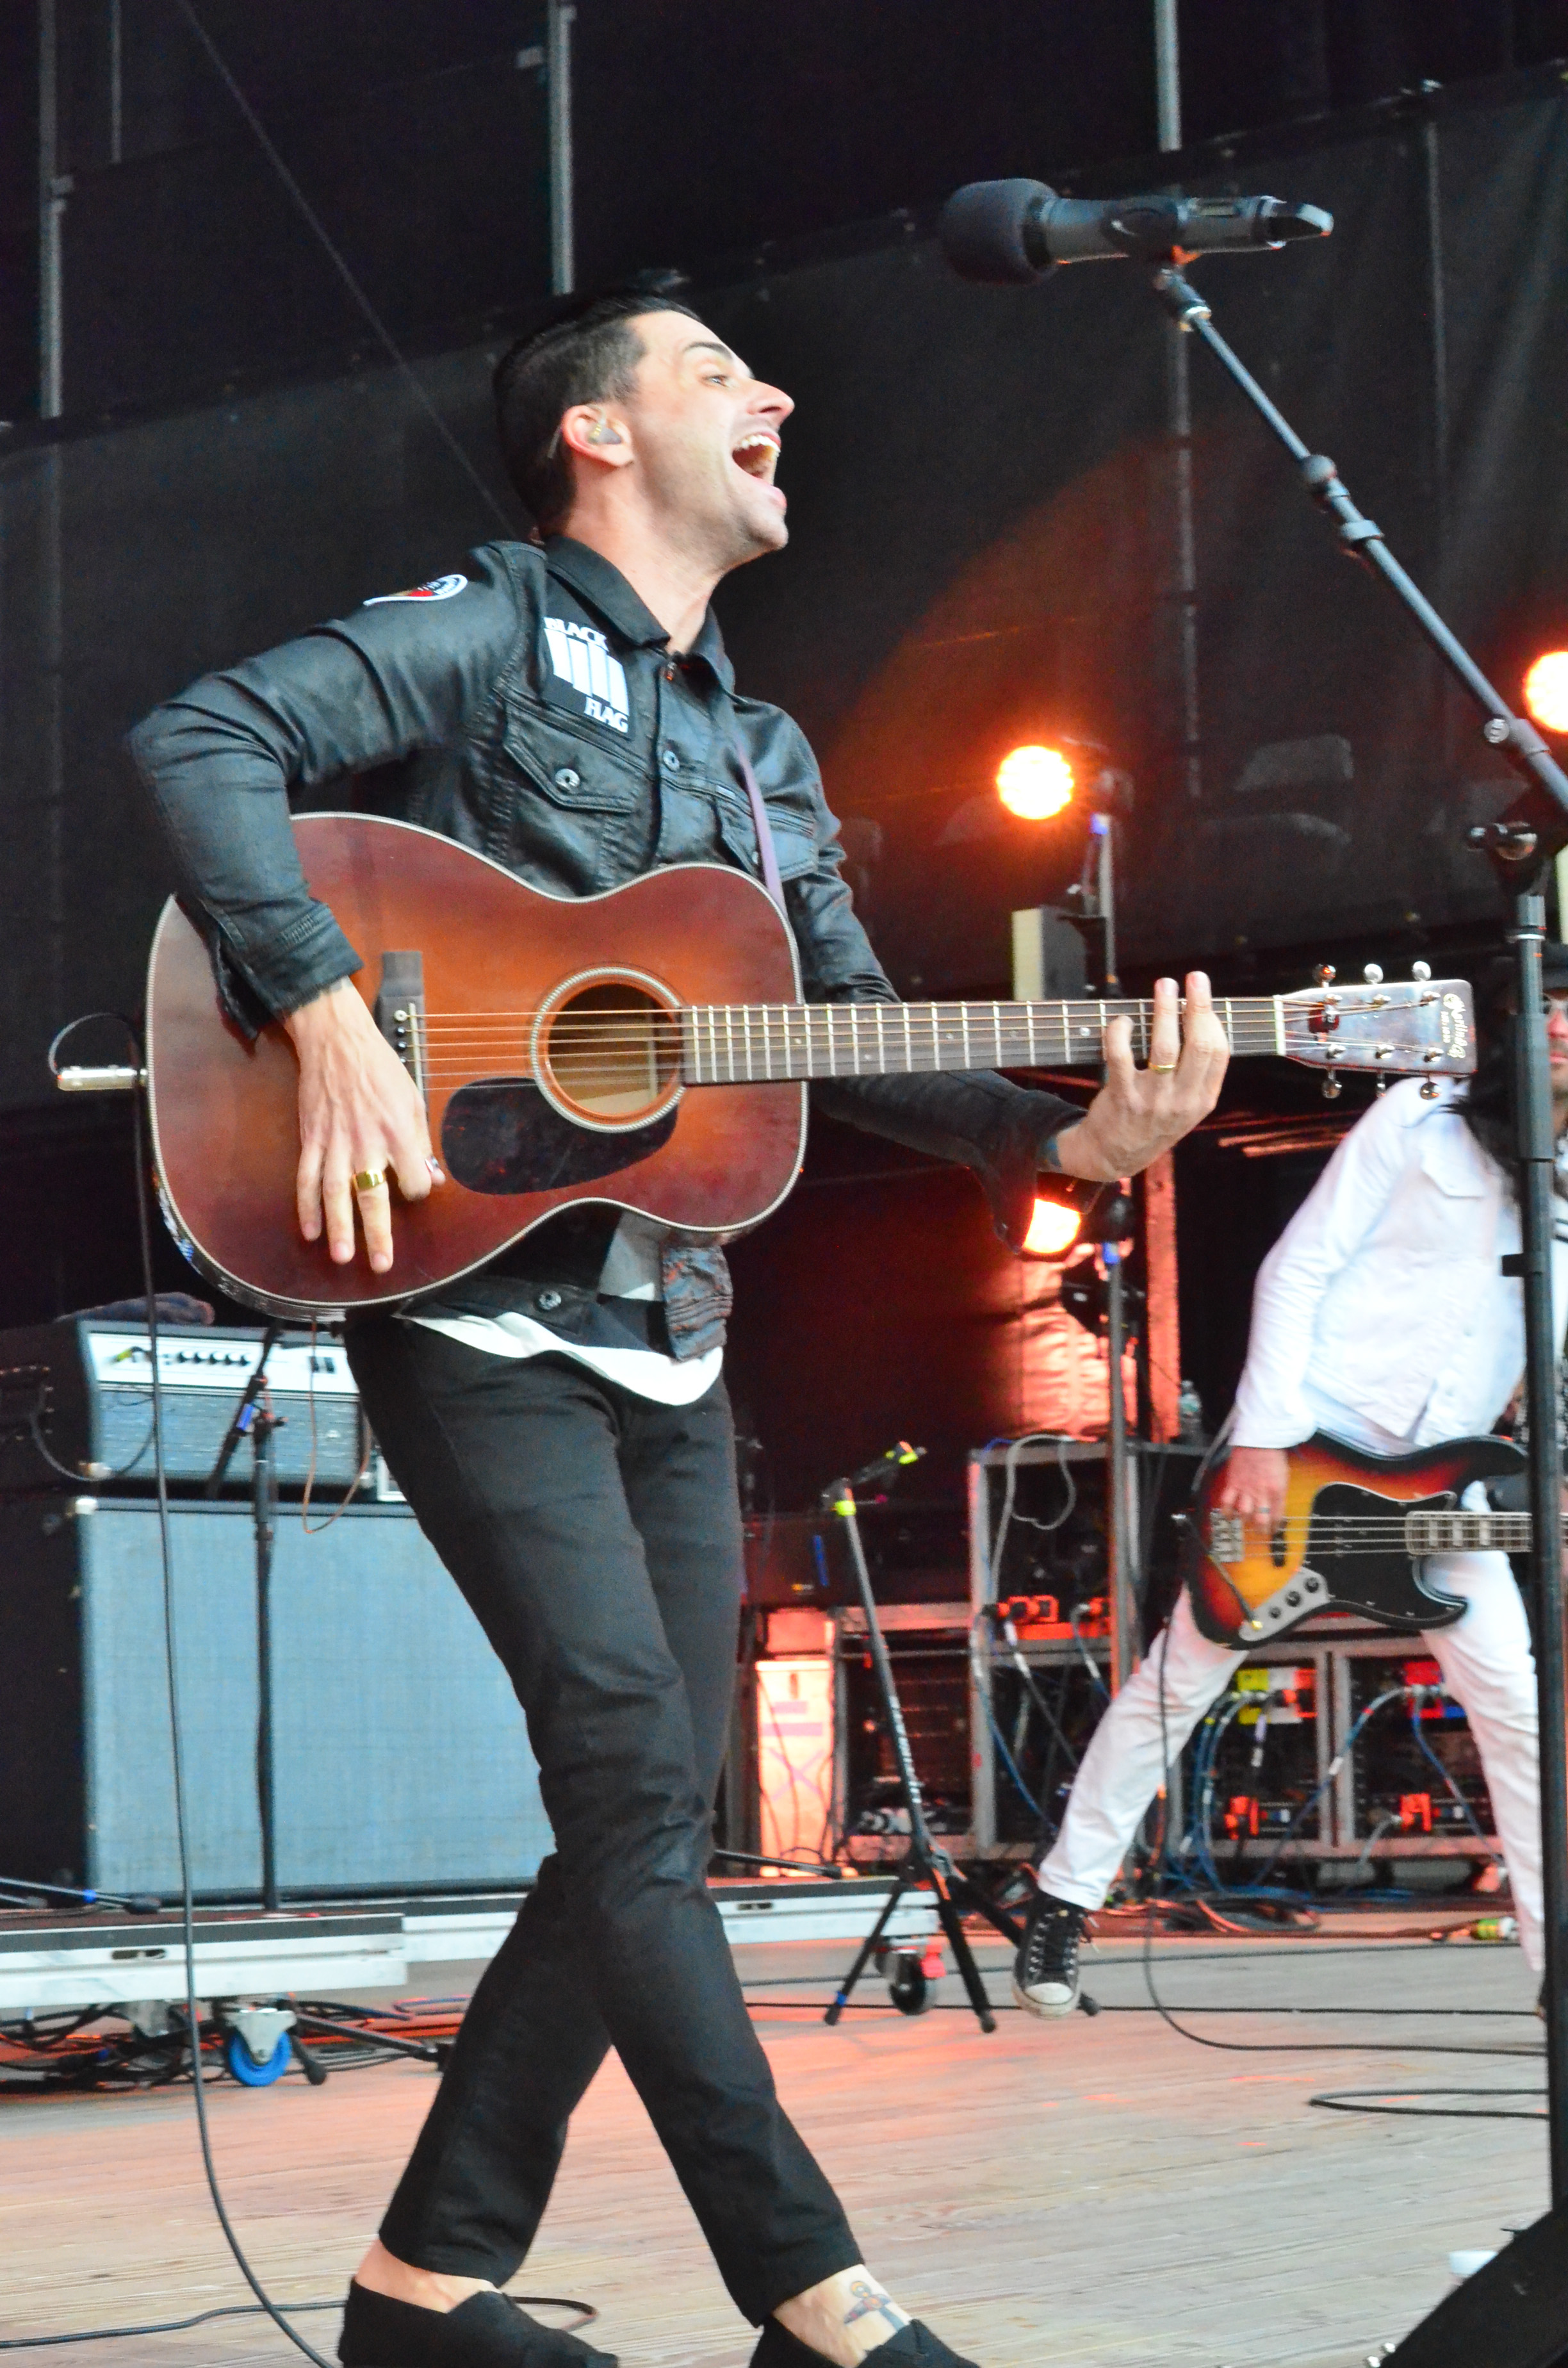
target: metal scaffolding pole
<point>560,18</point>
<point>1178,426</point>
<point>51,193</point>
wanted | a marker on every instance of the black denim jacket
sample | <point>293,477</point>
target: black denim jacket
<point>529,708</point>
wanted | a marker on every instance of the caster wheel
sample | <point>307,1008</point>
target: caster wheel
<point>907,1985</point>
<point>244,2067</point>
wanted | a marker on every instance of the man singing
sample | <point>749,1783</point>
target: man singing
<point>559,1425</point>
<point>1383,1316</point>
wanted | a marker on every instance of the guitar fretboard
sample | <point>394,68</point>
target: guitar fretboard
<point>748,1044</point>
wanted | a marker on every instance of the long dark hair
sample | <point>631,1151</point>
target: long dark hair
<point>1487,1107</point>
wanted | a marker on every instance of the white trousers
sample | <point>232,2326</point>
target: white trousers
<point>1487,1666</point>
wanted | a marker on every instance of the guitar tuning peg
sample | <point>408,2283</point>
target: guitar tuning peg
<point>1373,974</point>
<point>1332,1088</point>
<point>1429,1089</point>
<point>1325,973</point>
<point>1421,970</point>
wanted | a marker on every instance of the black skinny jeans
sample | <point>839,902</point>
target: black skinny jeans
<point>597,1538</point>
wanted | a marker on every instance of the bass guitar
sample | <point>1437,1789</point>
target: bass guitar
<point>1354,1538</point>
<point>646,1048</point>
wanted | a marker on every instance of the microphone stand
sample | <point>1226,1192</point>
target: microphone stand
<point>924,1863</point>
<point>251,1419</point>
<point>1521,845</point>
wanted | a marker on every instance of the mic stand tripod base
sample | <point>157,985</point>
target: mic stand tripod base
<point>923,1864</point>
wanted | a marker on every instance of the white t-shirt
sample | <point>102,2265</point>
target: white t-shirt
<point>630,1270</point>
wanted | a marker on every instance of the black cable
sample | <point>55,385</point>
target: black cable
<point>177,1741</point>
<point>74,1473</point>
<point>1359,2101</point>
<point>1308,2046</point>
<point>587,2315</point>
<point>153,2326</point>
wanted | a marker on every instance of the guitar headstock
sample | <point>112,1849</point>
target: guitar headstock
<point>1423,1027</point>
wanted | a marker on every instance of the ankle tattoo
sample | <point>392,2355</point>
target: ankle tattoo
<point>867,2301</point>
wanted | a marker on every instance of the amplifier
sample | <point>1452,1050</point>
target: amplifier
<point>402,1759</point>
<point>82,1389</point>
<point>916,1552</point>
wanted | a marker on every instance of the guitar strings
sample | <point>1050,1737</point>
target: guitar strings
<point>1372,1533</point>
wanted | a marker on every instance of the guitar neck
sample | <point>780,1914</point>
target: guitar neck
<point>1461,1533</point>
<point>755,1044</point>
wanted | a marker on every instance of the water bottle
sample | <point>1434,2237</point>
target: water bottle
<point>1189,1416</point>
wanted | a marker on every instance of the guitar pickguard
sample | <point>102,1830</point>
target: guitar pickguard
<point>503,1136</point>
<point>1388,1588</point>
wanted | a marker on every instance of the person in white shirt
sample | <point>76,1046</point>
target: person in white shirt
<point>1383,1316</point>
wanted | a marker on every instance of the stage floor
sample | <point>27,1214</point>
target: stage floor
<point>1098,2193</point>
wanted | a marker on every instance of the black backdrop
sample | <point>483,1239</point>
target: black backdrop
<point>980,486</point>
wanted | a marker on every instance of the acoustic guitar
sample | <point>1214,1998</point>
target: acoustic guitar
<point>1356,1532</point>
<point>647,1047</point>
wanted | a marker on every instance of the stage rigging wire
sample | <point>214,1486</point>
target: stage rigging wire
<point>400,360</point>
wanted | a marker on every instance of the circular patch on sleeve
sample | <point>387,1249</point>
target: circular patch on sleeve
<point>440,587</point>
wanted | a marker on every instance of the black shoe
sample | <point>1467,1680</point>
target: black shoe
<point>913,2346</point>
<point>485,2331</point>
<point>1045,1971</point>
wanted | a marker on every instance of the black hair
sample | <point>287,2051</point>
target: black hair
<point>589,357</point>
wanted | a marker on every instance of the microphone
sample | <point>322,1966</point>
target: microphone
<point>1008,232</point>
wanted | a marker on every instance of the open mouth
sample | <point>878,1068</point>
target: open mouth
<point>757,454</point>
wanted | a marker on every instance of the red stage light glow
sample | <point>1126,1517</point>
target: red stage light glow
<point>1034,782</point>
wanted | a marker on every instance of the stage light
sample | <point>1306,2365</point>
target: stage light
<point>1546,690</point>
<point>1052,1229</point>
<point>1034,783</point>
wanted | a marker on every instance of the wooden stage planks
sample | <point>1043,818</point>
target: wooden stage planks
<point>1099,2194</point>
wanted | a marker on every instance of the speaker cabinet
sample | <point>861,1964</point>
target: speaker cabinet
<point>1512,2314</point>
<point>401,1756</point>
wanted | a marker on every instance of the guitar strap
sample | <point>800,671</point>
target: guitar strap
<point>763,828</point>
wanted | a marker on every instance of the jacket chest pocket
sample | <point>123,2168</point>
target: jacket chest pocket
<point>576,772</point>
<point>564,800</point>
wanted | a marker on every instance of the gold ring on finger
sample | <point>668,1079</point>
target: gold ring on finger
<point>369,1179</point>
<point>1157,1068</point>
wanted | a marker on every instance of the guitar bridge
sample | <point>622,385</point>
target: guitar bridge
<point>1227,1540</point>
<point>400,1011</point>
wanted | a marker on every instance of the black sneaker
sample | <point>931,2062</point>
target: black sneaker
<point>1045,1971</point>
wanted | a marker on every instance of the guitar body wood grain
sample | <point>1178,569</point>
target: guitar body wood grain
<point>225,1128</point>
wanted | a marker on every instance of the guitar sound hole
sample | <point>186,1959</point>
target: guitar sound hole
<point>612,1050</point>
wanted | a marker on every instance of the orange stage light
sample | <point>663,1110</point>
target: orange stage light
<point>1546,690</point>
<point>1034,783</point>
<point>1052,1229</point>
